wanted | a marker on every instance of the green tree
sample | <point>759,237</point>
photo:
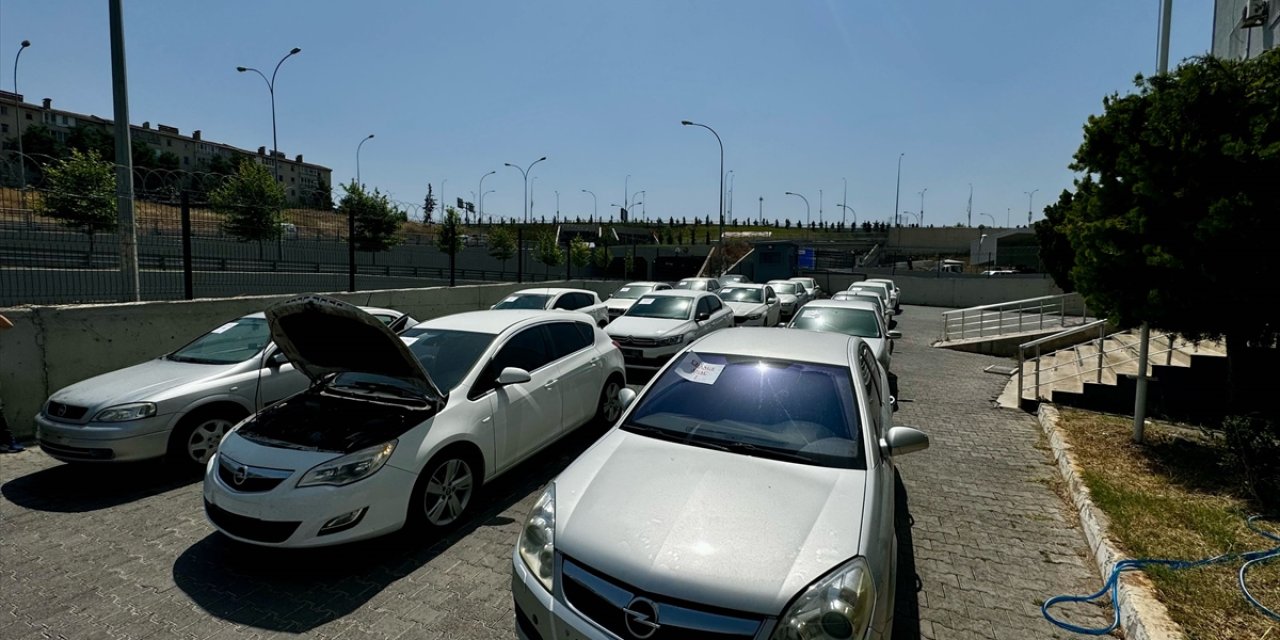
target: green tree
<point>1182,200</point>
<point>377,221</point>
<point>547,251</point>
<point>322,197</point>
<point>81,192</point>
<point>502,244</point>
<point>629,263</point>
<point>579,253</point>
<point>92,137</point>
<point>601,258</point>
<point>428,206</point>
<point>1056,253</point>
<point>250,202</point>
<point>449,238</point>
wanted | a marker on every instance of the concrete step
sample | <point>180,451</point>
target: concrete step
<point>1120,355</point>
<point>1088,352</point>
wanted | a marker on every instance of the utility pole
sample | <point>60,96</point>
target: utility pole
<point>970,223</point>
<point>761,209</point>
<point>897,195</point>
<point>844,198</point>
<point>819,208</point>
<point>124,156</point>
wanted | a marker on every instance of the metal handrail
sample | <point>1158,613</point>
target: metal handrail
<point>1169,337</point>
<point>1062,334</point>
<point>1010,317</point>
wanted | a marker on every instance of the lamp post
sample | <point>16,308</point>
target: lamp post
<point>848,209</point>
<point>819,207</point>
<point>17,123</point>
<point>626,199</point>
<point>525,174</point>
<point>532,183</point>
<point>920,218</point>
<point>1030,195</point>
<point>981,239</point>
<point>366,139</point>
<point>688,123</point>
<point>271,89</point>
<point>728,212</point>
<point>635,200</point>
<point>806,207</point>
<point>480,204</point>
<point>557,203</point>
<point>914,216</point>
<point>898,191</point>
<point>595,205</point>
<point>993,219</point>
<point>844,197</point>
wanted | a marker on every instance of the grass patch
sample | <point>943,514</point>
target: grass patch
<point>1175,497</point>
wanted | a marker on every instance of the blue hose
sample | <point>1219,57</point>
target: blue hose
<point>1112,584</point>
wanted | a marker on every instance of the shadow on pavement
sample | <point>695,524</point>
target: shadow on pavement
<point>297,590</point>
<point>78,488</point>
<point>906,606</point>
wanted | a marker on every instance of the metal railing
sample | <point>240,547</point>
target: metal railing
<point>1044,312</point>
<point>1171,345</point>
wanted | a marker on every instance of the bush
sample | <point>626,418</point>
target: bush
<point>1253,446</point>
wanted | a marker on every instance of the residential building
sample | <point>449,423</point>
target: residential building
<point>299,179</point>
<point>1245,28</point>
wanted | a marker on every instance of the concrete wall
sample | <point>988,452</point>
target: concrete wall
<point>950,290</point>
<point>51,347</point>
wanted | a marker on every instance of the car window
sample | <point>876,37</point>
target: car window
<point>232,342</point>
<point>668,307</point>
<point>662,287</point>
<point>566,301</point>
<point>526,350</point>
<point>769,293</point>
<point>634,291</point>
<point>446,355</point>
<point>741,294</point>
<point>566,338</point>
<point>524,301</point>
<point>793,411</point>
<point>714,304</point>
<point>704,306</point>
<point>694,285</point>
<point>863,323</point>
<point>870,370</point>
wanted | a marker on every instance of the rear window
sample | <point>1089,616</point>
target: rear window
<point>668,307</point>
<point>524,301</point>
<point>852,322</point>
<point>741,294</point>
<point>695,285</point>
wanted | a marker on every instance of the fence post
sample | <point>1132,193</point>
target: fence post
<point>188,291</point>
<point>1168,355</point>
<point>1037,396</point>
<point>1102,341</point>
<point>351,249</point>
<point>1021,358</point>
<point>1140,394</point>
<point>519,254</point>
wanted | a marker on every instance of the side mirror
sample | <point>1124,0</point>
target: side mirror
<point>626,397</point>
<point>771,300</point>
<point>902,440</point>
<point>702,315</point>
<point>513,375</point>
<point>277,360</point>
<point>895,335</point>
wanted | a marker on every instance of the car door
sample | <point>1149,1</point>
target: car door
<point>721,315</point>
<point>526,415</point>
<point>880,464</point>
<point>572,345</point>
<point>277,379</point>
<point>774,313</point>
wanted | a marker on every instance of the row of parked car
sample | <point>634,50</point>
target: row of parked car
<point>746,491</point>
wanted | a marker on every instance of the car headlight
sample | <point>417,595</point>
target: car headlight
<point>538,538</point>
<point>671,340</point>
<point>349,468</point>
<point>126,412</point>
<point>754,316</point>
<point>837,606</point>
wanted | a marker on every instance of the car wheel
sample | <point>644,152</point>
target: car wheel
<point>196,438</point>
<point>445,491</point>
<point>610,407</point>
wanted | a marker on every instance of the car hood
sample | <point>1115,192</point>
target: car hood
<point>646,327</point>
<point>619,303</point>
<point>747,308</point>
<point>322,336</point>
<point>706,526</point>
<point>787,297</point>
<point>141,382</point>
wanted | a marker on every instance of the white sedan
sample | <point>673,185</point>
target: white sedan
<point>860,318</point>
<point>405,429</point>
<point>753,305</point>
<point>619,301</point>
<point>580,300</point>
<point>663,322</point>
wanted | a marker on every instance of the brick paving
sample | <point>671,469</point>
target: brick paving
<point>125,552</point>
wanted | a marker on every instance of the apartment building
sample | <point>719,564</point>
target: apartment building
<point>1245,28</point>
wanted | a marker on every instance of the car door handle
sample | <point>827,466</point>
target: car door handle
<point>595,362</point>
<point>550,384</point>
<point>486,419</point>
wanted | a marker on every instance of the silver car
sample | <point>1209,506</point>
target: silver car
<point>180,404</point>
<point>748,492</point>
<point>859,318</point>
<point>791,294</point>
<point>872,297</point>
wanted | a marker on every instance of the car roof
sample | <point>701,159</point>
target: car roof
<point>548,291</point>
<point>678,293</point>
<point>789,344</point>
<point>884,280</point>
<point>695,278</point>
<point>844,304</point>
<point>745,285</point>
<point>644,283</point>
<point>495,321</point>
<point>261,315</point>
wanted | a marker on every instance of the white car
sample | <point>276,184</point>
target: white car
<point>699,284</point>
<point>881,289</point>
<point>858,318</point>
<point>622,299</point>
<point>811,286</point>
<point>398,430</point>
<point>791,294</point>
<point>872,297</point>
<point>753,305</point>
<point>663,322</point>
<point>895,294</point>
<point>580,300</point>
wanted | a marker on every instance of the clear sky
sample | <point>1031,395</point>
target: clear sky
<point>804,93</point>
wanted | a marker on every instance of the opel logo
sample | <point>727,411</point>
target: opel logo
<point>60,409</point>
<point>240,475</point>
<point>642,618</point>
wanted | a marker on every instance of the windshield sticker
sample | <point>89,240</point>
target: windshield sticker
<point>408,340</point>
<point>646,301</point>
<point>810,313</point>
<point>224,328</point>
<point>624,289</point>
<point>511,299</point>
<point>695,370</point>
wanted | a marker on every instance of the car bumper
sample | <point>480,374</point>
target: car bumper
<point>648,357</point>
<point>101,442</point>
<point>749,322</point>
<point>539,616</point>
<point>288,516</point>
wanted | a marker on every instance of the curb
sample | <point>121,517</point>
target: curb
<point>1142,615</point>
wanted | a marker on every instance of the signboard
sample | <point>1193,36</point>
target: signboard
<point>806,258</point>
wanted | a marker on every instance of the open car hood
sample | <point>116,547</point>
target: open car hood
<point>323,336</point>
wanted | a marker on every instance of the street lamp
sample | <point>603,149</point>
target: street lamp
<point>17,124</point>
<point>728,212</point>
<point>993,219</point>
<point>921,216</point>
<point>914,216</point>
<point>525,174</point>
<point>271,89</point>
<point>848,209</point>
<point>532,183</point>
<point>981,238</point>
<point>595,208</point>
<point>635,200</point>
<point>898,191</point>
<point>366,139</point>
<point>1030,195</point>
<point>721,142</point>
<point>806,207</point>
<point>480,204</point>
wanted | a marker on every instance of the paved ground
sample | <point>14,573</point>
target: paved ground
<point>125,552</point>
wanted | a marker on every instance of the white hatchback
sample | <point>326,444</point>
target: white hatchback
<point>405,429</point>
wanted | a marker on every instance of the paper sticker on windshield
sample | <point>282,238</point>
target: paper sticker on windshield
<point>510,299</point>
<point>624,289</point>
<point>409,340</point>
<point>694,369</point>
<point>810,313</point>
<point>224,327</point>
<point>646,301</point>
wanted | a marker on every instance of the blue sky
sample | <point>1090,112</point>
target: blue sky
<point>804,93</point>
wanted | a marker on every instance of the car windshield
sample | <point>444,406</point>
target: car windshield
<point>741,294</point>
<point>784,287</point>
<point>792,411</point>
<point>875,291</point>
<point>446,355</point>
<point>524,301</point>
<point>632,291</point>
<point>854,322</point>
<point>696,285</point>
<point>233,342</point>
<point>669,307</point>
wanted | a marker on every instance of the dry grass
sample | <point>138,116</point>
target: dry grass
<point>1174,497</point>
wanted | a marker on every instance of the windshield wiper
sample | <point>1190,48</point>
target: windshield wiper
<point>656,432</point>
<point>764,452</point>
<point>177,358</point>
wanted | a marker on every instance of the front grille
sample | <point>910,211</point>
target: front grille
<point>246,479</point>
<point>739,319</point>
<point>250,528</point>
<point>605,602</point>
<point>615,313</point>
<point>76,453</point>
<point>64,412</point>
<point>636,342</point>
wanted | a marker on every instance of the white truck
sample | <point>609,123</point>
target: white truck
<point>580,300</point>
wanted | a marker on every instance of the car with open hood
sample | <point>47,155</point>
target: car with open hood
<point>178,405</point>
<point>619,301</point>
<point>661,323</point>
<point>398,430</point>
<point>747,492</point>
<point>557,298</point>
<point>791,295</point>
<point>860,318</point>
<point>753,305</point>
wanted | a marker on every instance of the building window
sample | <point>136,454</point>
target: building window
<point>4,111</point>
<point>186,159</point>
<point>4,128</point>
<point>168,143</point>
<point>29,117</point>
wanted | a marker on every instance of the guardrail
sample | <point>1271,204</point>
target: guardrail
<point>1101,325</point>
<point>1013,317</point>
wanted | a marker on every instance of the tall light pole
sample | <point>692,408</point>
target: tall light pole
<point>898,191</point>
<point>687,123</point>
<point>728,212</point>
<point>123,148</point>
<point>532,183</point>
<point>636,200</point>
<point>17,124</point>
<point>845,198</point>
<point>914,216</point>
<point>848,209</point>
<point>626,201</point>
<point>761,209</point>
<point>480,205</point>
<point>1030,195</point>
<point>819,207</point>
<point>595,205</point>
<point>993,219</point>
<point>557,203</point>
<point>482,192</point>
<point>525,174</point>
<point>271,89</point>
<point>366,139</point>
<point>920,218</point>
<point>806,207</point>
<point>970,208</point>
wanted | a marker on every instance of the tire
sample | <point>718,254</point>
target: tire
<point>196,437</point>
<point>609,408</point>
<point>445,492</point>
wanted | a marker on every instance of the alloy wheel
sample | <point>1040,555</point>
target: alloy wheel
<point>611,404</point>
<point>448,492</point>
<point>204,439</point>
